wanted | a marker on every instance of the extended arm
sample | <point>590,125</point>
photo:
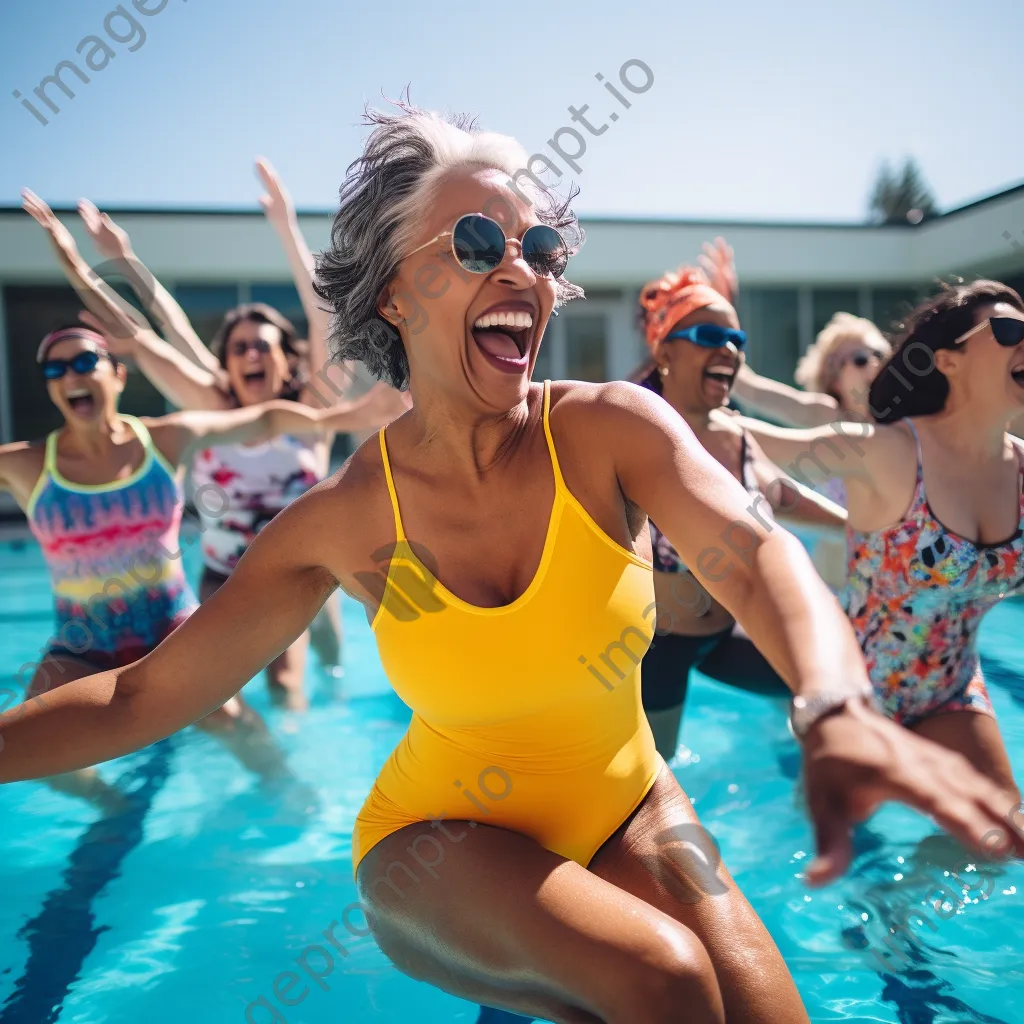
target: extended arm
<point>271,597</point>
<point>112,241</point>
<point>182,434</point>
<point>855,759</point>
<point>772,398</point>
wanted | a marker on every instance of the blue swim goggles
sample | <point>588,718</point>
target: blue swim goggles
<point>711,336</point>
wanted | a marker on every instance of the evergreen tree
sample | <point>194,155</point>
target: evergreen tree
<point>899,197</point>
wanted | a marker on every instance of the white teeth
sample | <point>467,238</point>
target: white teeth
<point>518,321</point>
<point>81,393</point>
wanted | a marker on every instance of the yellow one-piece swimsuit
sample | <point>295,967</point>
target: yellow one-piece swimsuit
<point>526,716</point>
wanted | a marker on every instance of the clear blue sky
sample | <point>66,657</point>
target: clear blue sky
<point>758,110</point>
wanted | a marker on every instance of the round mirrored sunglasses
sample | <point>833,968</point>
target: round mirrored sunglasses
<point>478,244</point>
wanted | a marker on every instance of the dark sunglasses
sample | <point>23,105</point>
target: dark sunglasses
<point>240,348</point>
<point>1007,330</point>
<point>83,362</point>
<point>862,359</point>
<point>711,336</point>
<point>478,244</point>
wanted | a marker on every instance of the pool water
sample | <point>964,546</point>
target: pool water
<point>197,906</point>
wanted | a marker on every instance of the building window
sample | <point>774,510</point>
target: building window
<point>586,347</point>
<point>890,305</point>
<point>32,312</point>
<point>771,318</point>
<point>826,302</point>
<point>542,368</point>
<point>205,305</point>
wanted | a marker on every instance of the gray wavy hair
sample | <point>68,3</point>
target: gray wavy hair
<point>382,200</point>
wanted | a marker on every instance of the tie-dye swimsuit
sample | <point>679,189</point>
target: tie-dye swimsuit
<point>114,559</point>
<point>916,594</point>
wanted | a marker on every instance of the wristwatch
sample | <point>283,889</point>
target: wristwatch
<point>805,712</point>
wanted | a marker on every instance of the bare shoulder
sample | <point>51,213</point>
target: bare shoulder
<point>605,408</point>
<point>21,462</point>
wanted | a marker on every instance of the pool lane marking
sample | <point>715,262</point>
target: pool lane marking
<point>64,932</point>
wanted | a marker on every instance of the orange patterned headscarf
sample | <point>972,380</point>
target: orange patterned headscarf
<point>672,297</point>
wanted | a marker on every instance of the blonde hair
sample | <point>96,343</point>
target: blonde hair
<point>817,370</point>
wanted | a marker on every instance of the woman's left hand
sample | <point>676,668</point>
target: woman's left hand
<point>719,264</point>
<point>858,759</point>
<point>276,202</point>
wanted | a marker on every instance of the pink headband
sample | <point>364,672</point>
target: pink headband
<point>70,332</point>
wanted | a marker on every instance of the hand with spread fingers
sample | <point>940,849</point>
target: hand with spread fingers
<point>110,239</point>
<point>859,759</point>
<point>276,202</point>
<point>719,264</point>
<point>60,238</point>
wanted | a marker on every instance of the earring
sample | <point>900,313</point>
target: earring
<point>663,370</point>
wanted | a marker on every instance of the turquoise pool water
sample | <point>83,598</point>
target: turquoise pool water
<point>192,910</point>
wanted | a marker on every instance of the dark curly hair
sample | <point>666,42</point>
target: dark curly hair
<point>910,384</point>
<point>382,200</point>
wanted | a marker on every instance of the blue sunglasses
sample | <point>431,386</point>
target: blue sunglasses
<point>711,336</point>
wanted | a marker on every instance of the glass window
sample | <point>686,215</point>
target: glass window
<point>586,346</point>
<point>205,305</point>
<point>32,312</point>
<point>771,318</point>
<point>891,305</point>
<point>285,299</point>
<point>829,301</point>
<point>542,368</point>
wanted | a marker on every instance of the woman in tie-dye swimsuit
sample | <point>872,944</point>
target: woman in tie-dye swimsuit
<point>936,512</point>
<point>102,496</point>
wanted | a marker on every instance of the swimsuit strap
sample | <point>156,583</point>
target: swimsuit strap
<point>399,530</point>
<point>50,461</point>
<point>747,465</point>
<point>559,481</point>
<point>919,496</point>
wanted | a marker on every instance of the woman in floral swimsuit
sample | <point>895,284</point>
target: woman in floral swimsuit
<point>936,512</point>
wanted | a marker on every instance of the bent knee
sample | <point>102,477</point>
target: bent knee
<point>675,975</point>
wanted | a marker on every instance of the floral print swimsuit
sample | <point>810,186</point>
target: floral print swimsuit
<point>916,594</point>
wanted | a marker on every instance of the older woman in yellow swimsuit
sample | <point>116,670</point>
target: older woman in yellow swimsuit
<point>524,846</point>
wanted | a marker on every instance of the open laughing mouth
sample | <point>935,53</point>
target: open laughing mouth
<point>254,377</point>
<point>1018,376</point>
<point>720,376</point>
<point>504,339</point>
<point>81,401</point>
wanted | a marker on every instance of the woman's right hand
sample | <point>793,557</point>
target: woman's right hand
<point>110,240</point>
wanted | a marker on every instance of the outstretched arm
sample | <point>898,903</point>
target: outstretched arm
<point>772,398</point>
<point>180,435</point>
<point>855,758</point>
<point>815,455</point>
<point>273,594</point>
<point>277,205</point>
<point>112,241</point>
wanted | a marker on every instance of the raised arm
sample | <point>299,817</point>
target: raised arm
<point>277,205</point>
<point>855,758</point>
<point>94,292</point>
<point>273,594</point>
<point>766,397</point>
<point>112,241</point>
